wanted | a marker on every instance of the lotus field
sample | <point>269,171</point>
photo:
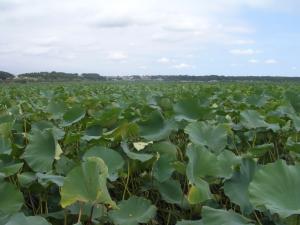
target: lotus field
<point>150,153</point>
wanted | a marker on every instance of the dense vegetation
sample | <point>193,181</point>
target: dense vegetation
<point>155,153</point>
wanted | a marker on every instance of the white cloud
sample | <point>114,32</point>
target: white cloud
<point>164,60</point>
<point>37,50</point>
<point>243,42</point>
<point>294,68</point>
<point>182,66</point>
<point>88,32</point>
<point>271,61</point>
<point>253,61</point>
<point>143,67</point>
<point>117,56</point>
<point>118,21</point>
<point>46,41</point>
<point>244,51</point>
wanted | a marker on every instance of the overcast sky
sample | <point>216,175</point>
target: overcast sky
<point>120,37</point>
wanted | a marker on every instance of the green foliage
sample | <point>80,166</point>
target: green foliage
<point>86,183</point>
<point>278,192</point>
<point>133,211</point>
<point>149,153</point>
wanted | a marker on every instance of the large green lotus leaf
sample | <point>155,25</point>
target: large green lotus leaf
<point>202,163</point>
<point>11,168</point>
<point>258,100</point>
<point>214,137</point>
<point>163,168</point>
<point>93,132</point>
<point>236,188</point>
<point>56,109</point>
<point>212,216</point>
<point>73,115</point>
<point>5,145</point>
<point>226,162</point>
<point>133,211</point>
<point>276,187</point>
<point>143,157</point>
<point>11,199</point>
<point>112,159</point>
<point>86,183</point>
<point>190,222</point>
<point>108,117</point>
<point>283,111</point>
<point>190,110</point>
<point>21,219</point>
<point>156,128</point>
<point>294,98</point>
<point>41,151</point>
<point>42,125</point>
<point>251,119</point>
<point>171,191</point>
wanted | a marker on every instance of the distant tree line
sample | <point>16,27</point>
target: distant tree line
<point>62,76</point>
<point>48,76</point>
<point>6,76</point>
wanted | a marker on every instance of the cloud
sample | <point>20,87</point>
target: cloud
<point>253,61</point>
<point>243,42</point>
<point>183,26</point>
<point>143,67</point>
<point>37,50</point>
<point>6,5</point>
<point>166,38</point>
<point>182,66</point>
<point>117,56</point>
<point>46,41</point>
<point>271,61</point>
<point>244,51</point>
<point>114,21</point>
<point>164,60</point>
<point>92,32</point>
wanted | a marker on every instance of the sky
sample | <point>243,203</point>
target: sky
<point>125,37</point>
